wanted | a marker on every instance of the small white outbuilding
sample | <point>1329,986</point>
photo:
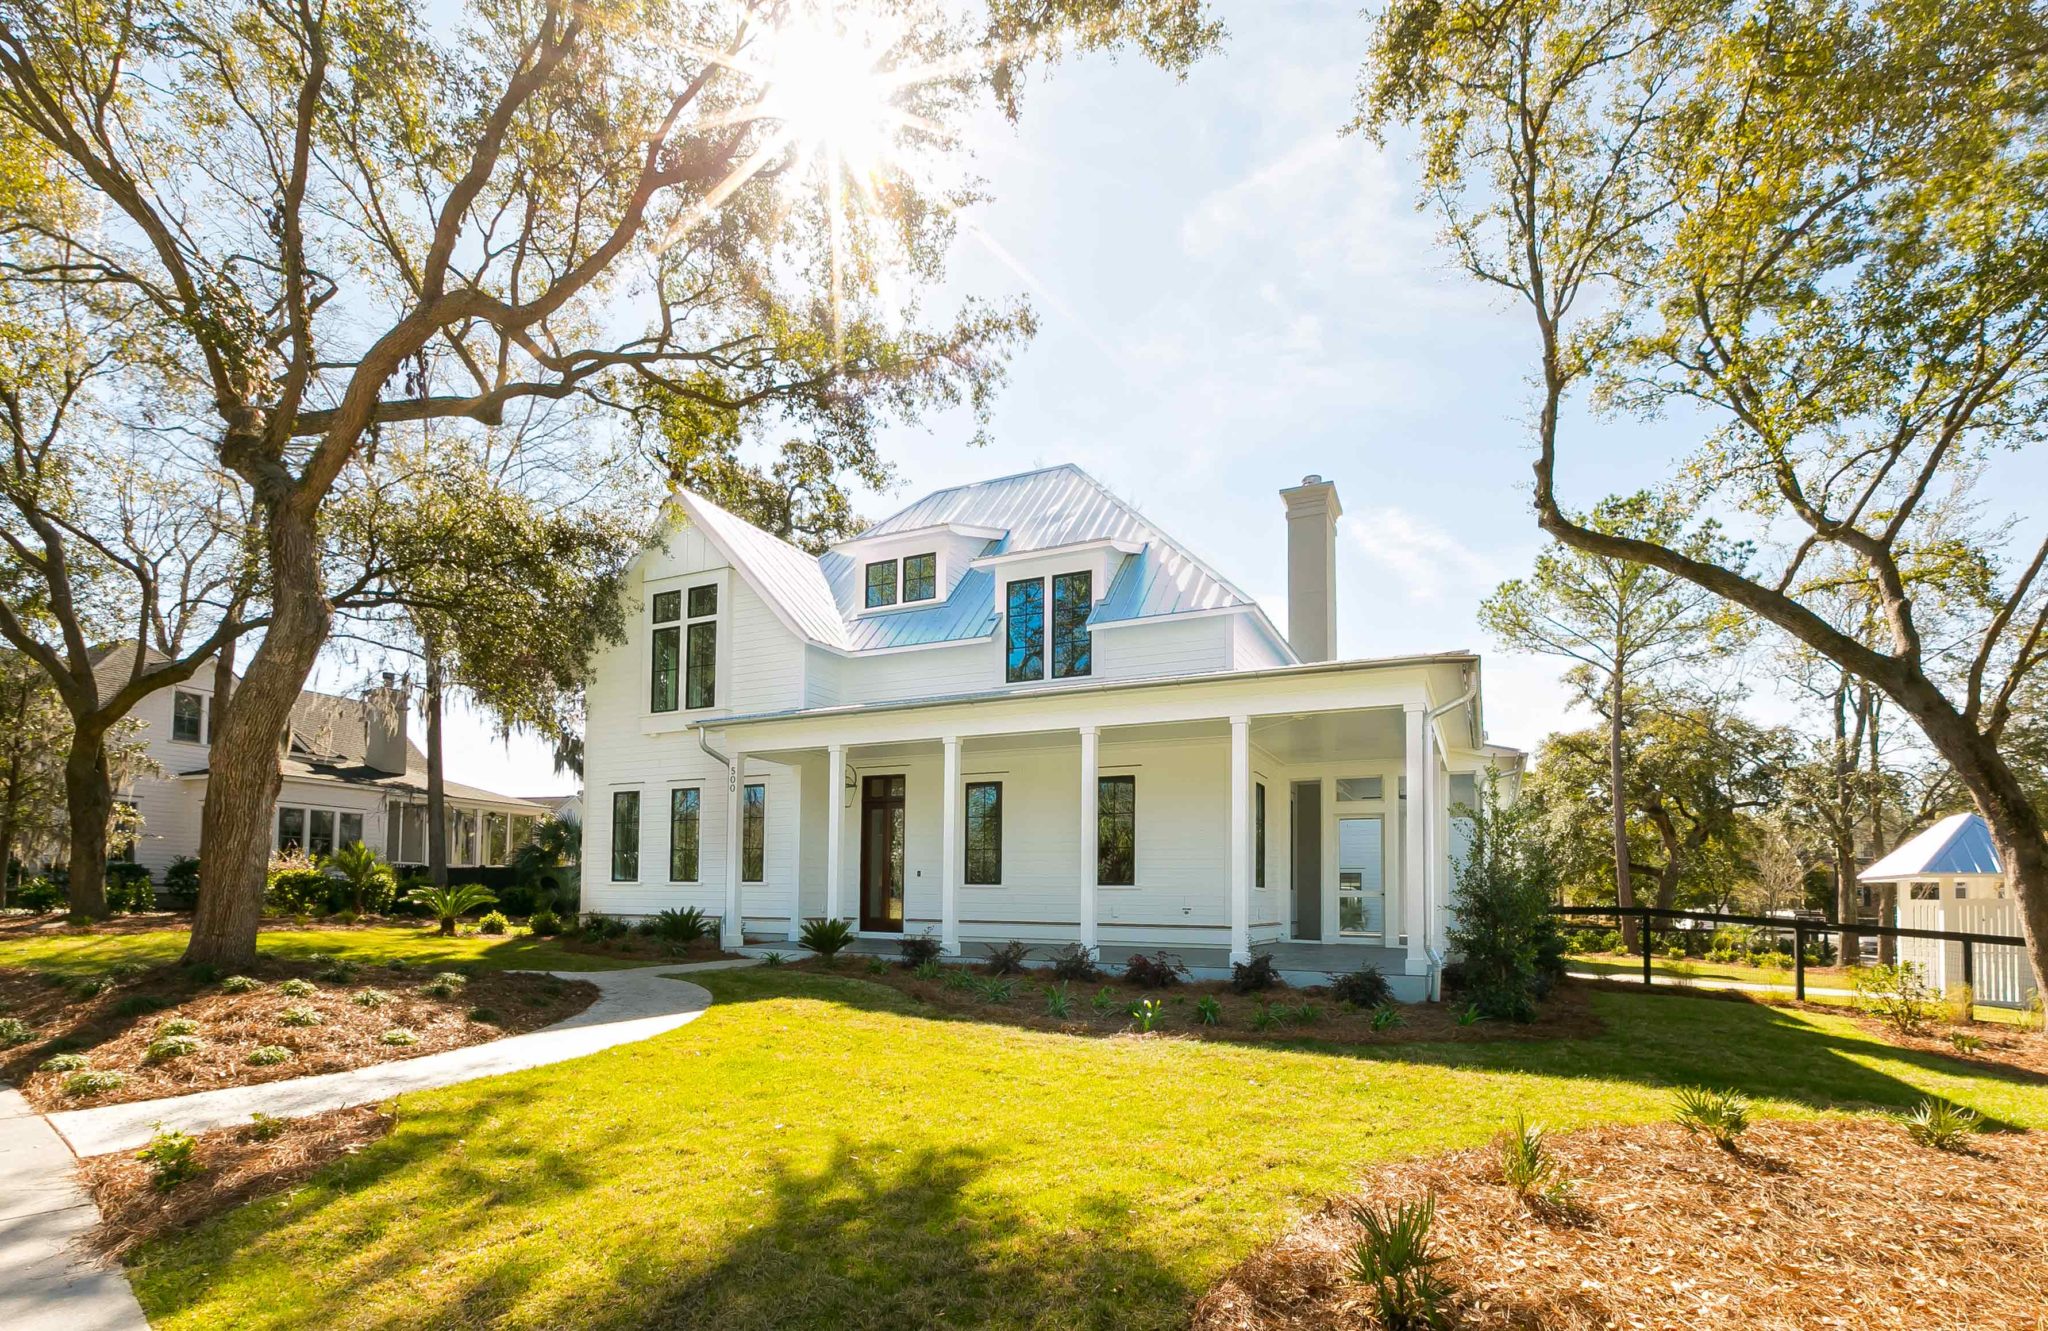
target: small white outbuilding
<point>1950,878</point>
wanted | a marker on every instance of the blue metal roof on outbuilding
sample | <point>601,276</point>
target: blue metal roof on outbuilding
<point>1958,844</point>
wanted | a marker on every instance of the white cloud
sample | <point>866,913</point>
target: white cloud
<point>1422,560</point>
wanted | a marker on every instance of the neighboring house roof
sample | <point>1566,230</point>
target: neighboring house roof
<point>818,596</point>
<point>1958,844</point>
<point>336,729</point>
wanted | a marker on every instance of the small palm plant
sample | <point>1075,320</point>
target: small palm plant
<point>1530,1171</point>
<point>370,881</point>
<point>1941,1125</point>
<point>826,937</point>
<point>1720,1116</point>
<point>1394,1258</point>
<point>449,904</point>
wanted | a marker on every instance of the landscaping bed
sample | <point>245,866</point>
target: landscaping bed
<point>1840,1222</point>
<point>1107,1006</point>
<point>137,1032</point>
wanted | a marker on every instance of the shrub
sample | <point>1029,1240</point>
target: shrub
<point>1395,1261</point>
<point>344,917</point>
<point>1720,1116</point>
<point>1525,1161</point>
<point>1160,970</point>
<point>92,986</point>
<point>1502,926</point>
<point>1008,959</point>
<point>167,1047</point>
<point>39,895</point>
<point>994,990</point>
<point>298,889</point>
<point>1208,1011</point>
<point>1896,995</point>
<point>136,1005</point>
<point>772,959</point>
<point>1058,1002</point>
<point>13,1031</point>
<point>1965,1042</point>
<point>1959,1005</point>
<point>181,880</point>
<point>334,970</point>
<point>877,966</point>
<point>1362,988</point>
<point>172,1158</point>
<point>1103,1001</point>
<point>451,903</point>
<point>602,928</point>
<point>298,1014</point>
<point>1941,1125</point>
<point>94,1083</point>
<point>918,948</point>
<point>63,1063</point>
<point>178,1026</point>
<point>266,1127</point>
<point>1470,1015</point>
<point>371,998</point>
<point>683,926</point>
<point>240,984</point>
<point>958,980</point>
<point>398,1035</point>
<point>545,924</point>
<point>929,969</point>
<point>1249,977</point>
<point>485,1016</point>
<point>493,922</point>
<point>1264,1018</point>
<point>1303,1013</point>
<point>1145,1014</point>
<point>128,889</point>
<point>1387,1016</point>
<point>1075,964</point>
<point>827,938</point>
<point>269,1055</point>
<point>297,988</point>
<point>445,985</point>
<point>359,879</point>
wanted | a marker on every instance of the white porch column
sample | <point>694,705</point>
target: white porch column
<point>1089,937</point>
<point>835,826</point>
<point>796,852</point>
<point>1240,840</point>
<point>732,932</point>
<point>949,847</point>
<point>1416,838</point>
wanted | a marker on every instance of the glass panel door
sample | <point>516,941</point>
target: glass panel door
<point>1361,877</point>
<point>881,854</point>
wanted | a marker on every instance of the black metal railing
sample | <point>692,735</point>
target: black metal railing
<point>1800,927</point>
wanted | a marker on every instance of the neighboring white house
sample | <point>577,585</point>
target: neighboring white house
<point>350,774</point>
<point>1950,879</point>
<point>1017,710</point>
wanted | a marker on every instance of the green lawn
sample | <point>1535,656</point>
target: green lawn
<point>1607,963</point>
<point>84,953</point>
<point>815,1152</point>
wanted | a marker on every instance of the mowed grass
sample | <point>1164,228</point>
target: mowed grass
<point>81,953</point>
<point>816,1152</point>
<point>1819,980</point>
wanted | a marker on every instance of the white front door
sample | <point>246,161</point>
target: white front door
<point>1361,877</point>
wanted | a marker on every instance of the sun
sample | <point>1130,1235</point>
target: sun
<point>824,82</point>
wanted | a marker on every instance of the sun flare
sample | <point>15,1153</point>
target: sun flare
<point>824,84</point>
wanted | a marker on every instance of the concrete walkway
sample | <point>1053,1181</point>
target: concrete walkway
<point>631,1005</point>
<point>48,1281</point>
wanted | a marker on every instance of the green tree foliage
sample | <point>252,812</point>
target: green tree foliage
<point>1501,926</point>
<point>371,883</point>
<point>33,733</point>
<point>1815,229</point>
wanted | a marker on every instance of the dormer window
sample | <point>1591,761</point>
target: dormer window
<point>1025,658</point>
<point>915,577</point>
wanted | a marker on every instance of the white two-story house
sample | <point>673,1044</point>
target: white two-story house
<point>1017,710</point>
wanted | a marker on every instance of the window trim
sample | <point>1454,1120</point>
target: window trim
<point>1102,781</point>
<point>754,811</point>
<point>198,719</point>
<point>967,877</point>
<point>675,797</point>
<point>618,797</point>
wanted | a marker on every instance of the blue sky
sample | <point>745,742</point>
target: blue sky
<point>1233,294</point>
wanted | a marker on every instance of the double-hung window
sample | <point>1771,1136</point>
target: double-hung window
<point>1025,628</point>
<point>984,833</point>
<point>188,711</point>
<point>625,836</point>
<point>1116,831</point>
<point>754,835</point>
<point>684,806</point>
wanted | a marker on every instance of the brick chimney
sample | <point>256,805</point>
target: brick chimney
<point>384,713</point>
<point>1312,513</point>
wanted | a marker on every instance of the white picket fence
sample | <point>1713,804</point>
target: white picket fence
<point>2002,976</point>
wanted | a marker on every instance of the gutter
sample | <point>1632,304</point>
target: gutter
<point>704,743</point>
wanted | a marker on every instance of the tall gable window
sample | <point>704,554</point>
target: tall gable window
<point>187,710</point>
<point>754,835</point>
<point>683,808</point>
<point>1259,835</point>
<point>1116,831</point>
<point>625,836</point>
<point>1024,630</point>
<point>1071,597</point>
<point>920,577</point>
<point>881,583</point>
<point>984,833</point>
<point>702,684</point>
<point>668,650</point>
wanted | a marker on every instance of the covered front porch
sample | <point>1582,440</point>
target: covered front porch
<point>1303,811</point>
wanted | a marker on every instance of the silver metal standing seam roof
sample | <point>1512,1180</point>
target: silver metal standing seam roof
<point>1037,510</point>
<point>1958,844</point>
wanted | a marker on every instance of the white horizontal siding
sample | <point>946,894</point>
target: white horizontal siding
<point>1185,646</point>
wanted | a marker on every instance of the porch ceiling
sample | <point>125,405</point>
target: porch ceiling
<point>1331,736</point>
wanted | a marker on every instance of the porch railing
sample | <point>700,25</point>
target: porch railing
<point>1801,929</point>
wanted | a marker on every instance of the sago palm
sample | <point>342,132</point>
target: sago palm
<point>363,869</point>
<point>449,904</point>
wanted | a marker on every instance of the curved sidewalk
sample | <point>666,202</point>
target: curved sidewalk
<point>631,1005</point>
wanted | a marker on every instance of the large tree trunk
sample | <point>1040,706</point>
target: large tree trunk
<point>1617,790</point>
<point>8,810</point>
<point>437,794</point>
<point>242,768</point>
<point>1842,823</point>
<point>1674,856</point>
<point>88,806</point>
<point>223,688</point>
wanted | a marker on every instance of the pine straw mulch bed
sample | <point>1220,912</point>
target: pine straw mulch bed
<point>1567,1014</point>
<point>236,1164</point>
<point>113,1027</point>
<point>1834,1223</point>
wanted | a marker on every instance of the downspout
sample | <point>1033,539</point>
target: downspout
<point>704,743</point>
<point>1434,981</point>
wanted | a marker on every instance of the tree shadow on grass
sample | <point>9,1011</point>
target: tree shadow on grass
<point>1659,1039</point>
